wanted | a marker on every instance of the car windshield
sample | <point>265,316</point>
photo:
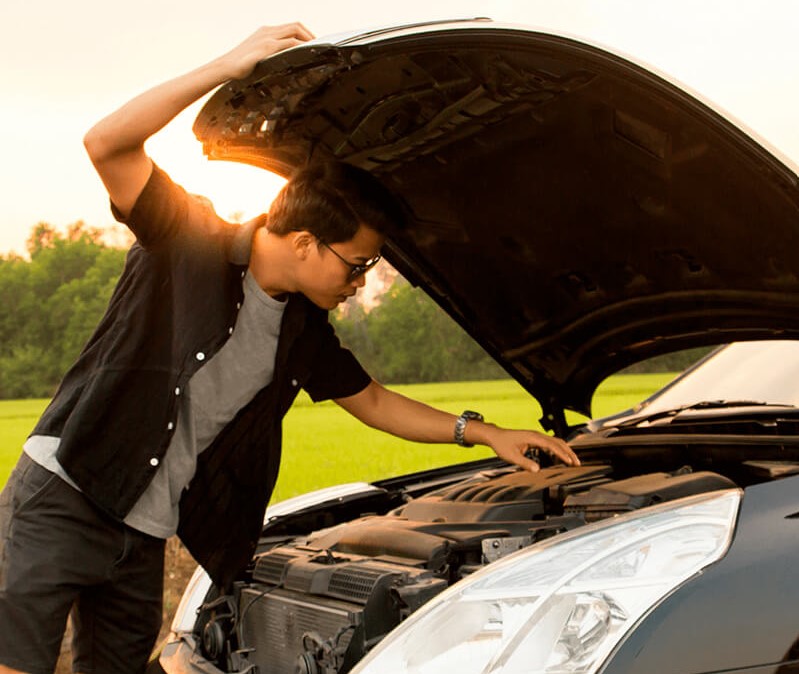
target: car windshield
<point>761,372</point>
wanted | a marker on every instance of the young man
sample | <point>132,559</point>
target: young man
<point>170,419</point>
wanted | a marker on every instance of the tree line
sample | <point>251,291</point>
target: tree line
<point>407,339</point>
<point>51,303</point>
<point>53,299</point>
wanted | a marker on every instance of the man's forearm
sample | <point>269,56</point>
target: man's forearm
<point>130,126</point>
<point>388,411</point>
<point>127,128</point>
<point>404,417</point>
<point>116,143</point>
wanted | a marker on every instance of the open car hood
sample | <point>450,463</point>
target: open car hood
<point>572,210</point>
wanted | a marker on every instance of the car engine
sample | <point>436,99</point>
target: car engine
<point>316,604</point>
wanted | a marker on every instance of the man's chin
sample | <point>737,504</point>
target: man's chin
<point>328,304</point>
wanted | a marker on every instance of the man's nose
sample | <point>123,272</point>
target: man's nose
<point>359,281</point>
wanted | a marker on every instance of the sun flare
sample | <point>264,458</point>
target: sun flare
<point>238,191</point>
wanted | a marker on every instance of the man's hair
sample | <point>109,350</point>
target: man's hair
<point>331,200</point>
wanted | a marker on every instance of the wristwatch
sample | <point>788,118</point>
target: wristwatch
<point>460,426</point>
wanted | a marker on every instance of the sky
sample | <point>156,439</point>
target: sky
<point>65,65</point>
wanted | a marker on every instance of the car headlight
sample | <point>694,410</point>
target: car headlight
<point>562,605</point>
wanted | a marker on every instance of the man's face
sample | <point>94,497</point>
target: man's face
<point>331,273</point>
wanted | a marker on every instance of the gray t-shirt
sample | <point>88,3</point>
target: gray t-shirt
<point>213,396</point>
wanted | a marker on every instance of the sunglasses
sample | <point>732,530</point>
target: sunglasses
<point>356,270</point>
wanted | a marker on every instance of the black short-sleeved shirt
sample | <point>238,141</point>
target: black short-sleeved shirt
<point>172,310</point>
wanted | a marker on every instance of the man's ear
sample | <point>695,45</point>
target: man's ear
<point>302,243</point>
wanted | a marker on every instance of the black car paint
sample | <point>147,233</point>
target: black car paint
<point>742,612</point>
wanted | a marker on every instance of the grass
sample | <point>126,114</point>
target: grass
<point>323,445</point>
<point>17,419</point>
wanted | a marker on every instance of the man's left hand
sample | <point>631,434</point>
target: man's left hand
<point>512,446</point>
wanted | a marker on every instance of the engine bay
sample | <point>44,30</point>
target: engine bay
<point>317,603</point>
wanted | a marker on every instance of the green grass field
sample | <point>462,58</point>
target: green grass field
<point>323,445</point>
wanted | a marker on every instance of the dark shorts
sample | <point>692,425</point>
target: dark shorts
<point>59,553</point>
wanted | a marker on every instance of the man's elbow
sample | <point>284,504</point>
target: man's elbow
<point>97,145</point>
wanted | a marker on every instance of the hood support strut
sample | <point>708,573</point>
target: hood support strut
<point>554,418</point>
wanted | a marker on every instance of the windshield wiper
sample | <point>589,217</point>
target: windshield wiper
<point>703,405</point>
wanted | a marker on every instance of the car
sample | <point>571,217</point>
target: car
<point>576,213</point>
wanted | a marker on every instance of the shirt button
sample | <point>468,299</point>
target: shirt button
<point>230,331</point>
<point>238,305</point>
<point>243,274</point>
<point>177,390</point>
<point>170,426</point>
<point>200,355</point>
<point>294,382</point>
<point>154,461</point>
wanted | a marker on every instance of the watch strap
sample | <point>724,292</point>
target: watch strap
<point>460,426</point>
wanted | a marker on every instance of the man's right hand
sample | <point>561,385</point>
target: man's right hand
<point>264,42</point>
